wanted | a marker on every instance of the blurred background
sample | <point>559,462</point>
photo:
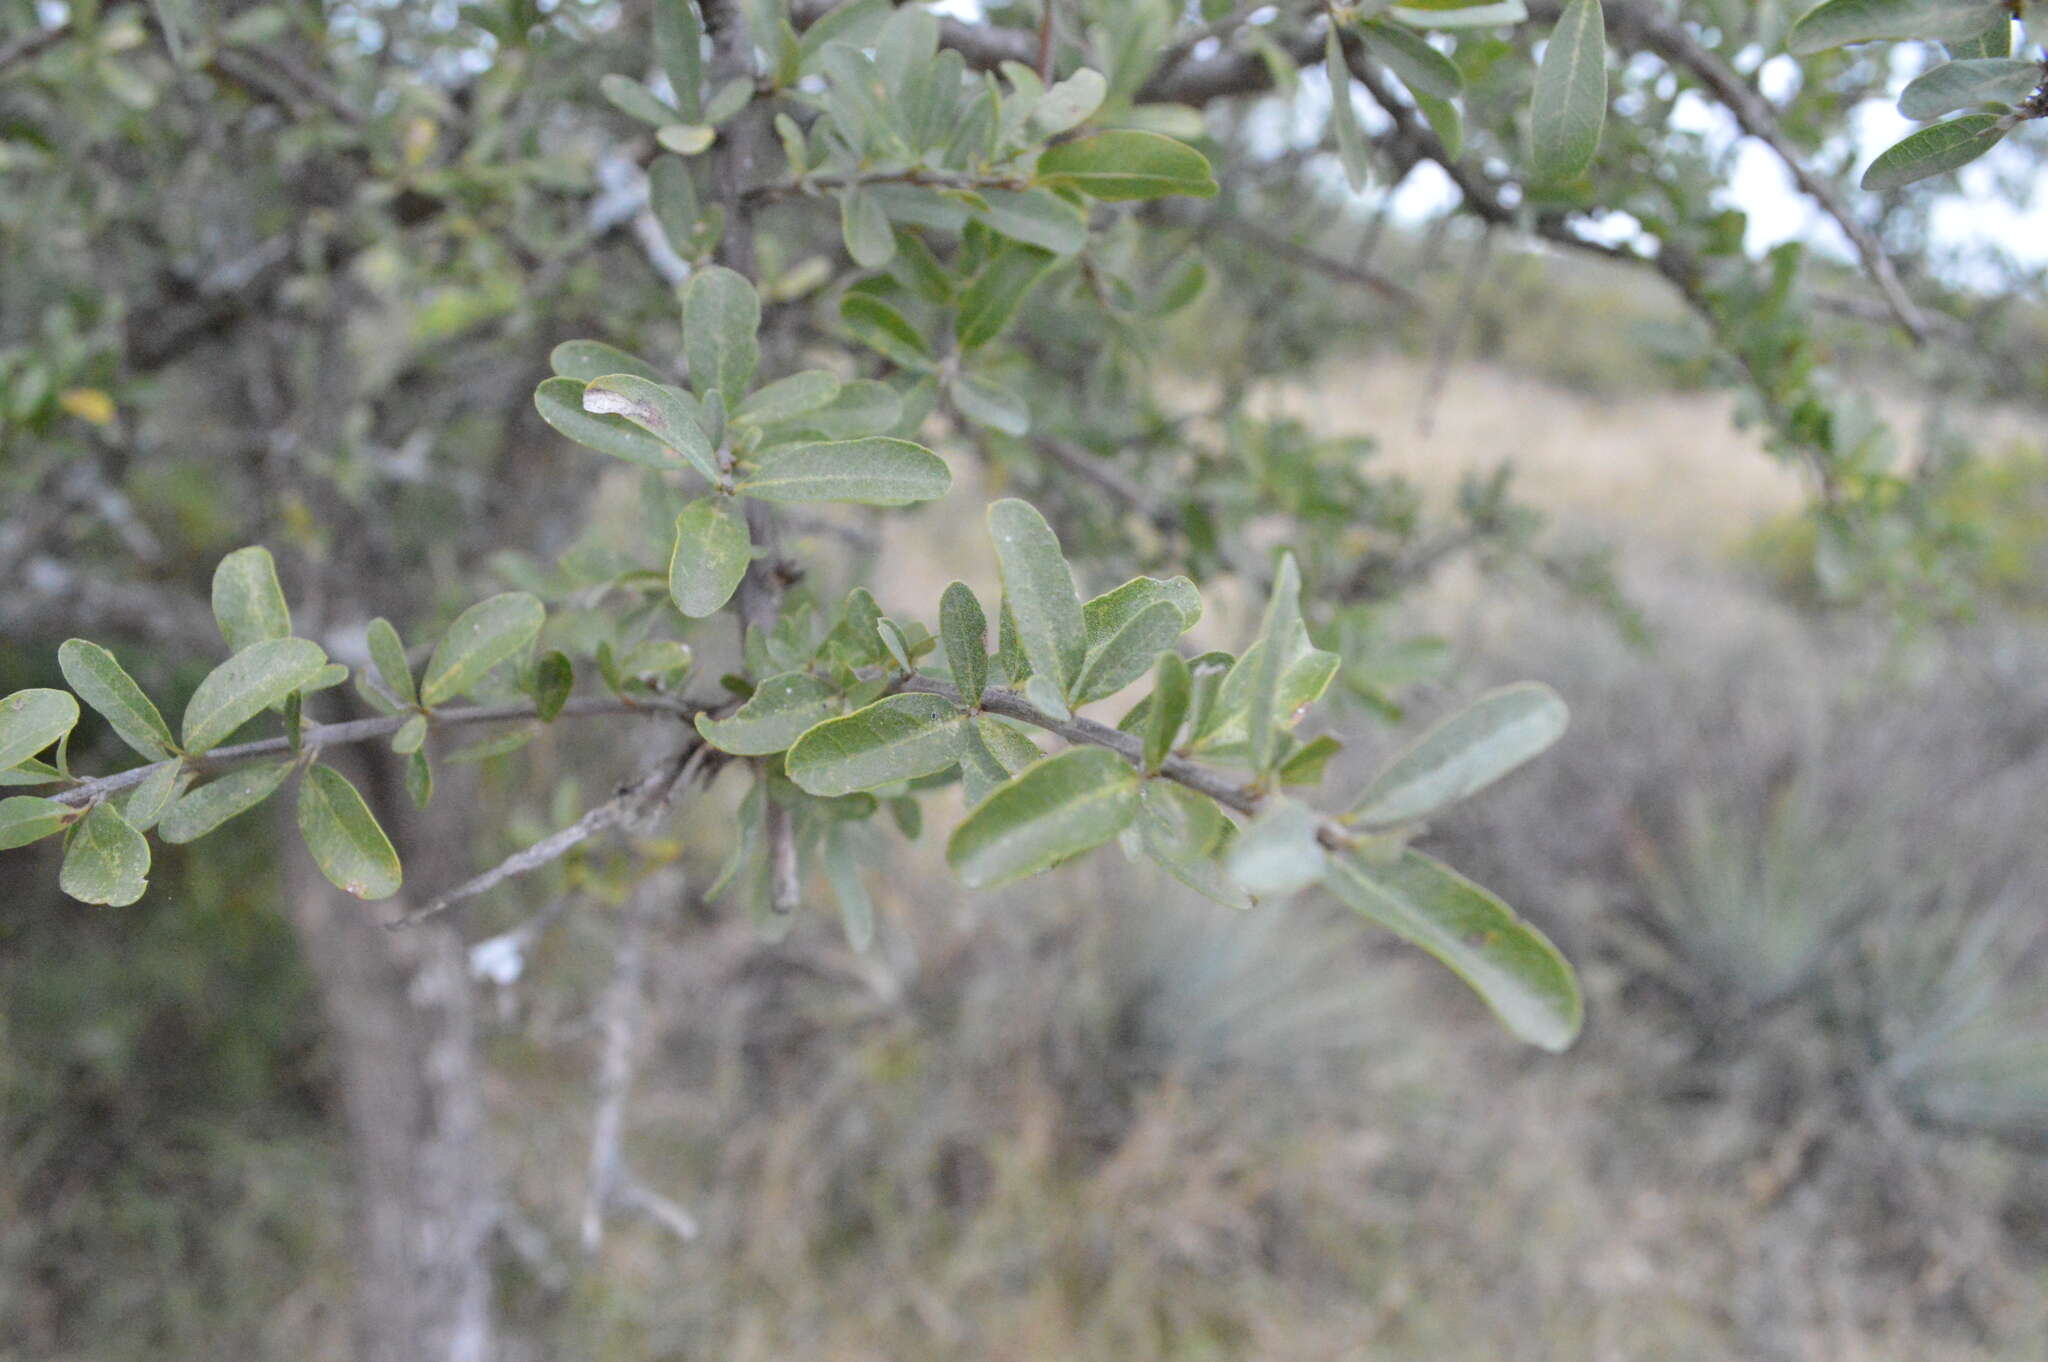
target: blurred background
<point>1794,840</point>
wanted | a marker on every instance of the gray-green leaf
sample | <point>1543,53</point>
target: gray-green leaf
<point>1278,852</point>
<point>721,314</point>
<point>343,836</point>
<point>776,715</point>
<point>147,802</point>
<point>1128,653</point>
<point>103,684</point>
<point>1113,609</point>
<point>789,397</point>
<point>245,685</point>
<point>1464,754</point>
<point>1423,69</point>
<point>711,554</point>
<point>1172,686</point>
<point>107,861</point>
<point>864,226</point>
<point>1569,104</point>
<point>560,403</point>
<point>28,818</point>
<point>1038,588</point>
<point>1262,710</point>
<point>1966,84</point>
<point>584,360</point>
<point>1932,150</point>
<point>963,628</point>
<point>1840,22</point>
<point>387,653</point>
<point>1053,810</point>
<point>480,638</point>
<point>899,737</point>
<point>199,811</point>
<point>877,471</point>
<point>248,603</point>
<point>664,412</point>
<point>1351,145</point>
<point>1510,964</point>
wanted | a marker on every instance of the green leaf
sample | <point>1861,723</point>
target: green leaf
<point>248,603</point>
<point>1966,84</point>
<point>635,100</point>
<point>554,677</point>
<point>1510,964</point>
<point>1352,151</point>
<point>419,779</point>
<point>1304,765</point>
<point>1445,121</point>
<point>1221,714</point>
<point>1840,22</point>
<point>147,802</point>
<point>1569,104</point>
<point>107,861</point>
<point>842,872</point>
<point>864,226</point>
<point>29,818</point>
<point>1423,69</point>
<point>1113,609</point>
<point>711,554</point>
<point>988,403</point>
<point>678,47</point>
<point>1128,653</point>
<point>672,197</point>
<point>899,737</point>
<point>1460,13</point>
<point>1037,217</point>
<point>1055,809</point>
<point>790,397</point>
<point>1263,715</point>
<point>686,139</point>
<point>728,99</point>
<point>987,305</point>
<point>1171,688</point>
<point>1070,103</point>
<point>991,751</point>
<point>199,811</point>
<point>102,683</point>
<point>1038,590</point>
<point>1464,754</point>
<point>480,638</point>
<point>584,360</point>
<point>30,772</point>
<point>387,654</point>
<point>245,685</point>
<point>1932,150</point>
<point>560,403</point>
<point>863,407</point>
<point>1125,164</point>
<point>876,471</point>
<point>343,836</point>
<point>664,412</point>
<point>1994,41</point>
<point>411,735</point>
<point>776,715</point>
<point>1278,852</point>
<point>963,628</point>
<point>878,324</point>
<point>721,314</point>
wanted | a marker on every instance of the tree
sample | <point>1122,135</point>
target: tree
<point>768,256</point>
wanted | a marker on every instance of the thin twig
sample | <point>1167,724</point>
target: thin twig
<point>317,736</point>
<point>31,45</point>
<point>1273,244</point>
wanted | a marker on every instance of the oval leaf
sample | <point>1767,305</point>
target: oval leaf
<point>1172,686</point>
<point>482,636</point>
<point>560,403</point>
<point>1464,754</point>
<point>28,818</point>
<point>877,471</point>
<point>387,653</point>
<point>1932,150</point>
<point>1423,69</point>
<point>107,861</point>
<point>1569,104</point>
<point>775,716</point>
<point>102,683</point>
<point>1038,589</point>
<point>584,360</point>
<point>248,603</point>
<point>897,738</point>
<point>789,397</point>
<point>1126,164</point>
<point>865,229</point>
<point>1278,852</point>
<point>1352,151</point>
<point>721,314</point>
<point>1966,84</point>
<point>1053,810</point>
<point>1129,653</point>
<point>1510,964</point>
<point>711,554</point>
<point>664,412</point>
<point>245,685</point>
<point>343,836</point>
<point>199,811</point>
<point>1840,22</point>
<point>1264,716</point>
<point>963,628</point>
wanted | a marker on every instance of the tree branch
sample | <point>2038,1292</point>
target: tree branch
<point>31,45</point>
<point>317,736</point>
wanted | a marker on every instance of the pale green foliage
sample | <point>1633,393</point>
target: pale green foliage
<point>1570,101</point>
